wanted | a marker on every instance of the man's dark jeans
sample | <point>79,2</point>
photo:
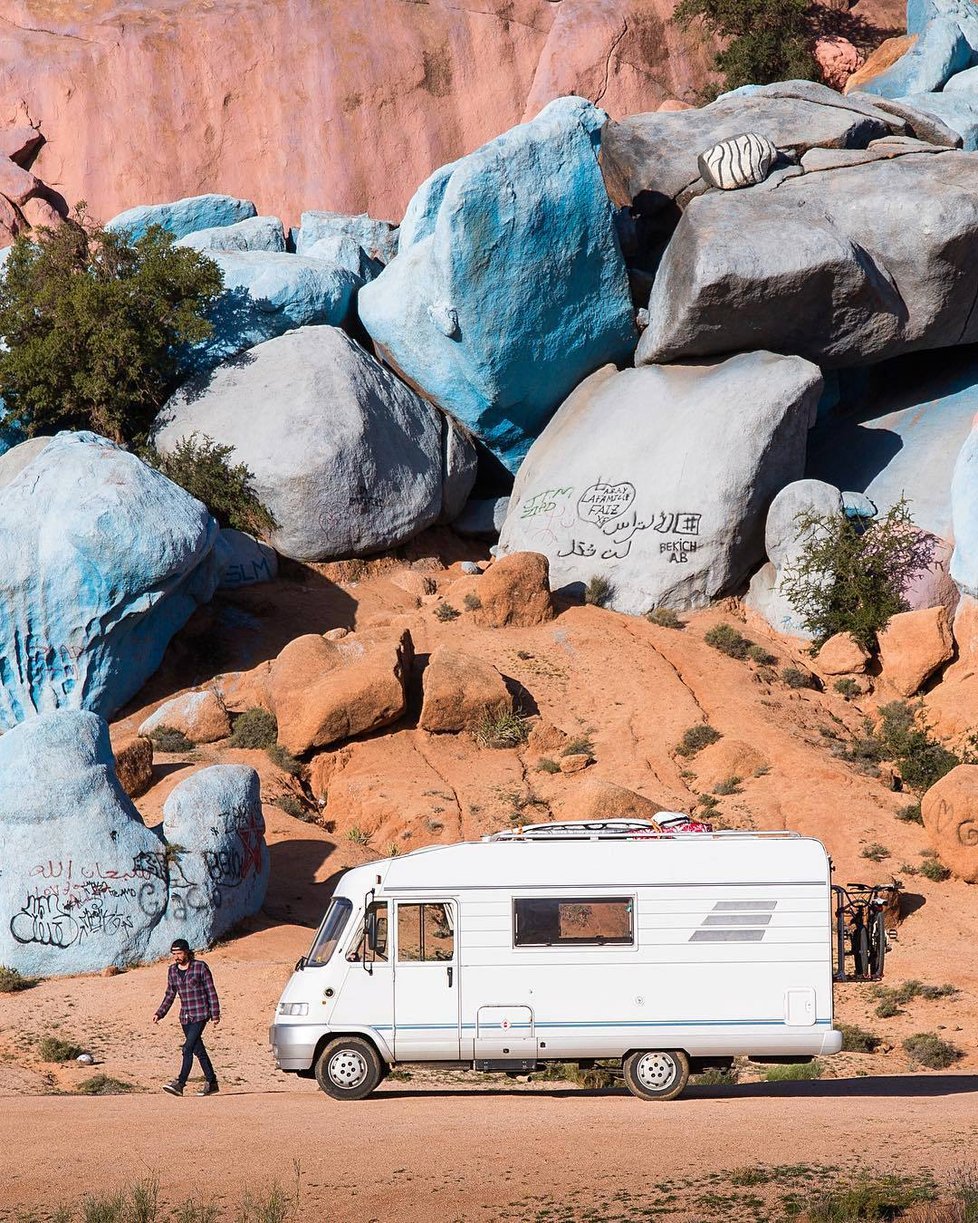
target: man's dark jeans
<point>193,1046</point>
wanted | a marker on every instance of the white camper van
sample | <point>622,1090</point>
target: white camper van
<point>569,942</point>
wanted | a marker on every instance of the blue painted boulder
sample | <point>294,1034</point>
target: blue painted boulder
<point>243,560</point>
<point>964,506</point>
<point>509,285</point>
<point>956,109</point>
<point>254,234</point>
<point>941,50</point>
<point>185,216</point>
<point>377,238</point>
<point>920,13</point>
<point>266,295</point>
<point>85,884</point>
<point>103,560</point>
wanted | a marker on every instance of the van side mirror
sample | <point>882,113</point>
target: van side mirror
<point>371,931</point>
<point>300,964</point>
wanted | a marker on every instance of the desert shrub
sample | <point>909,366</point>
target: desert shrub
<point>501,729</point>
<point>599,591</point>
<point>726,639</point>
<point>167,739</point>
<point>874,852</point>
<point>93,324</point>
<point>758,654</point>
<point>664,617</point>
<point>847,687</point>
<point>445,612</point>
<point>546,765</point>
<point>54,1049</point>
<point>910,814</point>
<point>12,981</point>
<point>794,677</point>
<point>922,760</point>
<point>358,836</point>
<point>927,1049</point>
<point>284,760</point>
<point>794,1072</point>
<point>858,1040</point>
<point>849,578</point>
<point>709,802</point>
<point>892,998</point>
<point>695,738</point>
<point>255,728</point>
<point>763,40</point>
<point>204,469</point>
<point>729,785</point>
<point>717,1076</point>
<point>869,1198</point>
<point>934,870</point>
<point>471,602</point>
<point>579,745</point>
<point>295,807</point>
<point>103,1085</point>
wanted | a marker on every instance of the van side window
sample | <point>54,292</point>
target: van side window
<point>424,932</point>
<point>379,953</point>
<point>562,922</point>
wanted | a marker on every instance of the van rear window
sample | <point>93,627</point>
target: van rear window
<point>562,922</point>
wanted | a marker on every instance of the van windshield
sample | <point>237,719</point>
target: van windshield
<point>337,915</point>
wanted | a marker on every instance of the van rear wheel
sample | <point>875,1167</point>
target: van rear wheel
<point>656,1074</point>
<point>349,1068</point>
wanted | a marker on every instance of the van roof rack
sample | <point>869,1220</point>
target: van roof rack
<point>609,830</point>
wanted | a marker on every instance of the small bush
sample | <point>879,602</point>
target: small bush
<point>54,1049</point>
<point>203,468</point>
<point>295,807</point>
<point>696,738</point>
<point>445,612</point>
<point>794,677</point>
<point>875,852</point>
<point>793,1073</point>
<point>580,745</point>
<point>471,602</point>
<point>729,785</point>
<point>169,740</point>
<point>847,687</point>
<point>910,814</point>
<point>284,760</point>
<point>717,1076</point>
<point>12,982</point>
<point>501,729</point>
<point>858,1040</point>
<point>104,1085</point>
<point>892,998</point>
<point>546,765</point>
<point>358,836</point>
<point>872,1200</point>
<point>927,1049</point>
<point>726,639</point>
<point>934,870</point>
<point>255,728</point>
<point>709,802</point>
<point>664,617</point>
<point>599,591</point>
<point>887,1008</point>
<point>758,654</point>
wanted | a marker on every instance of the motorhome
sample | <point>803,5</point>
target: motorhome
<point>663,953</point>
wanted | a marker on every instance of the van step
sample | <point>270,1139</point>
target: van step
<point>517,1065</point>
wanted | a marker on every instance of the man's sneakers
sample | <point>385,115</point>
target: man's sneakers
<point>175,1088</point>
<point>209,1089</point>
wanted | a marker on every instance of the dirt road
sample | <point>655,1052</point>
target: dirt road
<point>449,1152</point>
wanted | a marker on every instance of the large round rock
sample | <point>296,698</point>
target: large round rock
<point>347,458</point>
<point>950,811</point>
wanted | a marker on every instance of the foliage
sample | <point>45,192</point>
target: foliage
<point>858,1040</point>
<point>284,760</point>
<point>358,836</point>
<point>874,852</point>
<point>892,998</point>
<point>850,579</point>
<point>726,639</point>
<point>255,728</point>
<point>579,745</point>
<point>546,765</point>
<point>729,785</point>
<point>471,602</point>
<point>12,981</point>
<point>927,1049</point>
<point>94,323</point>
<point>934,870</point>
<point>203,468</point>
<point>664,617</point>
<point>695,738</point>
<point>910,814</point>
<point>847,687</point>
<point>599,591</point>
<point>872,1199</point>
<point>445,612</point>
<point>104,1085</point>
<point>794,1072</point>
<point>757,653</point>
<point>167,739</point>
<point>794,677</point>
<point>717,1076</point>
<point>765,40</point>
<point>54,1049</point>
<point>295,807</point>
<point>921,759</point>
<point>502,728</point>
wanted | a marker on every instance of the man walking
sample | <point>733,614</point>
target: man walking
<point>192,980</point>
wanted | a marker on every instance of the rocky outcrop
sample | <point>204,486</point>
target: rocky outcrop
<point>460,691</point>
<point>253,234</point>
<point>86,884</point>
<point>837,59</point>
<point>657,479</point>
<point>459,312</point>
<point>133,763</point>
<point>182,217</point>
<point>199,716</point>
<point>950,811</point>
<point>243,560</point>
<point>515,591</point>
<point>912,647</point>
<point>841,655</point>
<point>104,559</point>
<point>347,458</point>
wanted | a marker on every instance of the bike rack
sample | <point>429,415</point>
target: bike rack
<point>859,921</point>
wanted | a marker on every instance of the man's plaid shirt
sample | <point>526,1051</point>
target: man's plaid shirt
<point>198,997</point>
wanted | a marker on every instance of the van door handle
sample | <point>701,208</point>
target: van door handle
<point>450,972</point>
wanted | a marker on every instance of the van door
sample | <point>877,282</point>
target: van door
<point>426,984</point>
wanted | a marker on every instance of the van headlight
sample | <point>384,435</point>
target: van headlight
<point>293,1008</point>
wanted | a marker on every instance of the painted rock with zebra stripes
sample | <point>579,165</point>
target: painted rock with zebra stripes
<point>740,161</point>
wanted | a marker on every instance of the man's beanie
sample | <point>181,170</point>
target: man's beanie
<point>179,944</point>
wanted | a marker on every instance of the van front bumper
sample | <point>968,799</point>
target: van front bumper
<point>294,1044</point>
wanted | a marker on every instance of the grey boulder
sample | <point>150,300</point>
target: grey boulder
<point>253,234</point>
<point>348,459</point>
<point>658,478</point>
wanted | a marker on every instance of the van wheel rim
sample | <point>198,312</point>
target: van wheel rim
<point>347,1068</point>
<point>656,1071</point>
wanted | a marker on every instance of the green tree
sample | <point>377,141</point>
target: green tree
<point>849,578</point>
<point>203,467</point>
<point>93,323</point>
<point>764,40</point>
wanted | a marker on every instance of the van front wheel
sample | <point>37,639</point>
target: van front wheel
<point>656,1074</point>
<point>349,1068</point>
